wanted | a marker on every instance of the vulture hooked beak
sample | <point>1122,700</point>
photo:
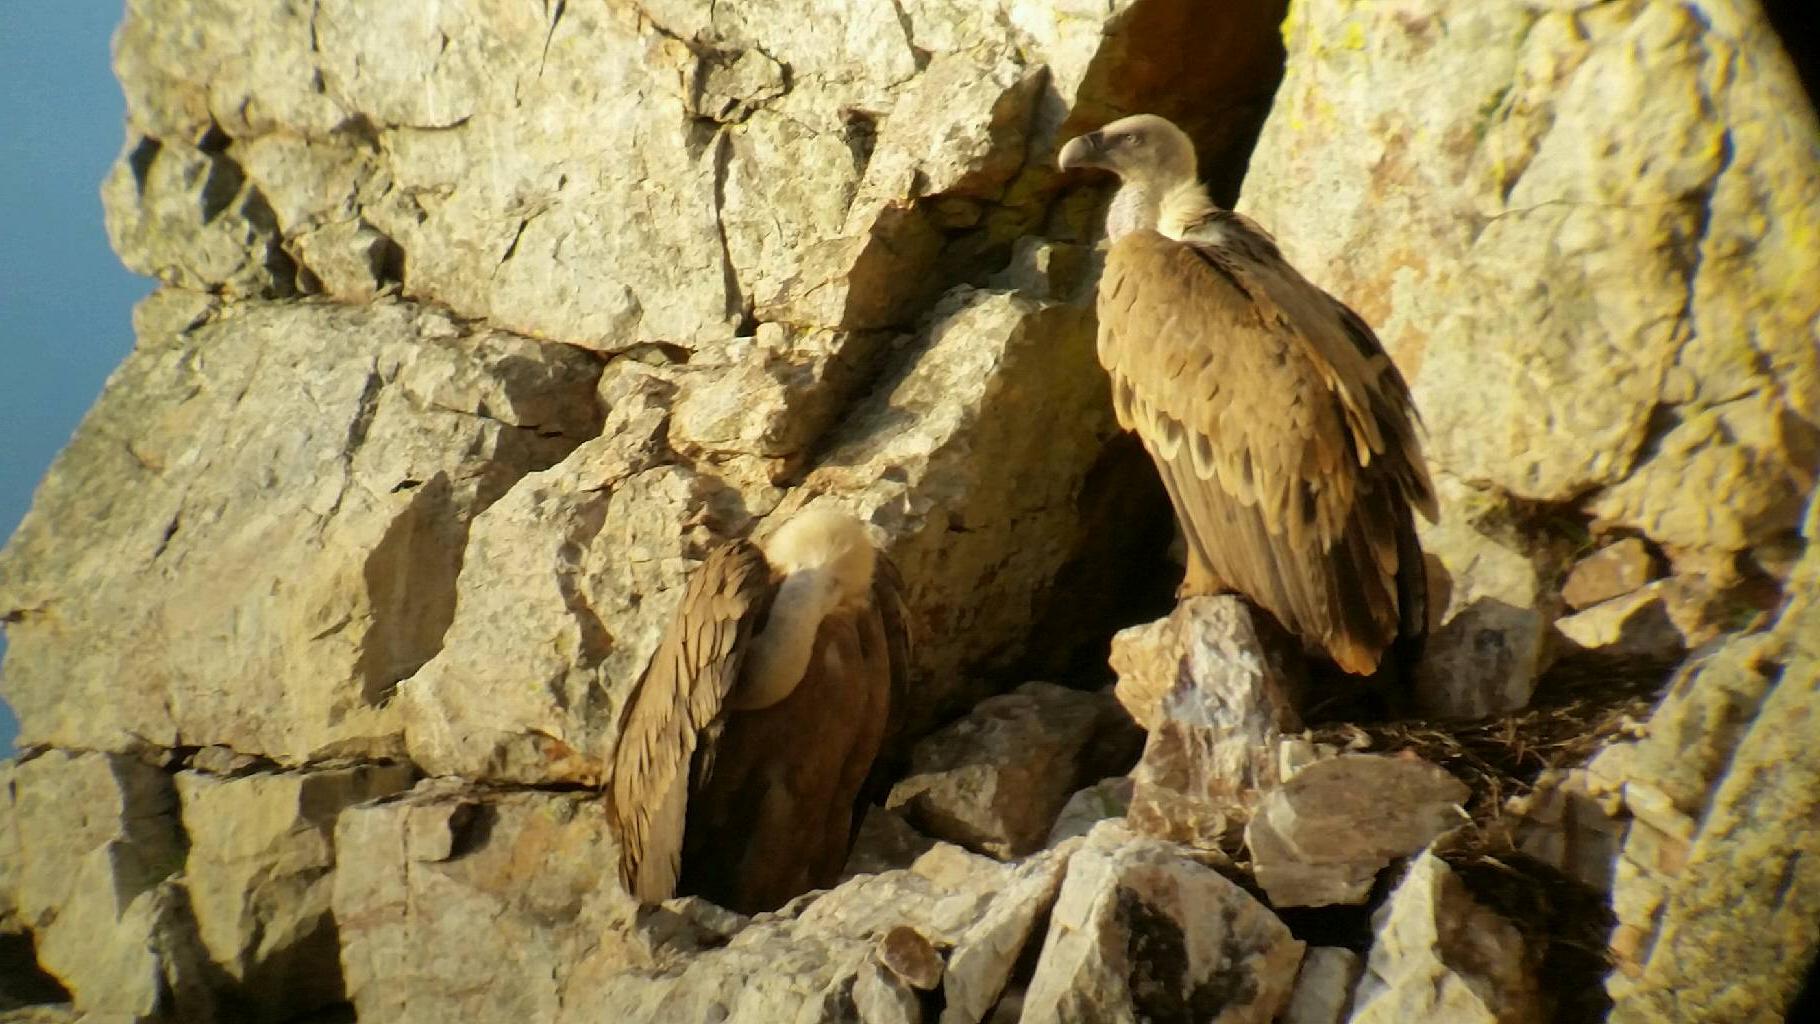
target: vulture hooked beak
<point>1087,150</point>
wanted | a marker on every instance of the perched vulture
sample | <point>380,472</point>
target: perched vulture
<point>744,747</point>
<point>1285,436</point>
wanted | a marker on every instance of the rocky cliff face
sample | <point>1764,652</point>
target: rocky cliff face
<point>478,322</point>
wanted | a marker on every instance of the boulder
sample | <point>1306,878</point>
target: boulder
<point>254,535</point>
<point>1612,571</point>
<point>995,780</point>
<point>1142,932</point>
<point>100,856</point>
<point>455,904</point>
<point>260,870</point>
<point>1438,957</point>
<point>1323,988</point>
<point>1575,231</point>
<point>1322,837</point>
<point>1215,703</point>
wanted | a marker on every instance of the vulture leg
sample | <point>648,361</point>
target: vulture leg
<point>1200,581</point>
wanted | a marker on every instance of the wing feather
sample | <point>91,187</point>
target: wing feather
<point>676,709</point>
<point>776,816</point>
<point>1282,431</point>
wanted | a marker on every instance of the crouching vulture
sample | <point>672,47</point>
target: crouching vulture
<point>1283,433</point>
<point>745,745</point>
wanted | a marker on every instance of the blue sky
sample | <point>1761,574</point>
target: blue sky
<point>65,301</point>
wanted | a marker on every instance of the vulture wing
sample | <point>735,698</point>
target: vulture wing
<point>1282,431</point>
<point>676,708</point>
<point>773,813</point>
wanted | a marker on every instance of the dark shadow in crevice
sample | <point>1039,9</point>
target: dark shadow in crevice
<point>1213,69</point>
<point>1120,575</point>
<point>1797,23</point>
<point>22,982</point>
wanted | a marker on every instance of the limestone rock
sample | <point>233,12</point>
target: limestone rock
<point>1140,932</point>
<point>461,905</point>
<point>1717,879</point>
<point>9,849</point>
<point>254,535</point>
<point>1659,621</point>
<point>564,590</point>
<point>990,949</point>
<point>44,1013</point>
<point>1323,836</point>
<point>982,511</point>
<point>1107,798</point>
<point>1323,989</point>
<point>1214,705</point>
<point>803,962</point>
<point>1440,957</point>
<point>1563,823</point>
<point>458,903</point>
<point>99,852</point>
<point>884,842</point>
<point>1490,604</point>
<point>1612,571</point>
<point>189,217</point>
<point>259,874</point>
<point>1577,232</point>
<point>995,780</point>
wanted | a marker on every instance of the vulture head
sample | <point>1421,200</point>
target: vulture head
<point>1156,167</point>
<point>825,561</point>
<point>1142,149</point>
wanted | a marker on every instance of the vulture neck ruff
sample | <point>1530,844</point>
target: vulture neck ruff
<point>826,562</point>
<point>1168,209</point>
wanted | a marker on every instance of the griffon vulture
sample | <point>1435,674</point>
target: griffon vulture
<point>1285,436</point>
<point>745,745</point>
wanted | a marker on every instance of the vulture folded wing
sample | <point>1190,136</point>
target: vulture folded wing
<point>773,813</point>
<point>676,707</point>
<point>1267,427</point>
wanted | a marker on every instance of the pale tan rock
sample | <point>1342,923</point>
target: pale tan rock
<point>1440,957</point>
<point>1215,706</point>
<point>989,949</point>
<point>939,456</point>
<point>882,997</point>
<point>1322,837</point>
<point>1323,988</point>
<point>1490,605</point>
<point>995,780</point>
<point>254,535</point>
<point>792,965</point>
<point>1716,882</point>
<point>259,875</point>
<point>1659,621</point>
<point>1612,571</point>
<point>1140,932</point>
<point>565,586</point>
<point>1564,825</point>
<point>191,218</point>
<point>99,853</point>
<point>1107,798</point>
<point>1577,232</point>
<point>457,905</point>
<point>9,850</point>
<point>884,842</point>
